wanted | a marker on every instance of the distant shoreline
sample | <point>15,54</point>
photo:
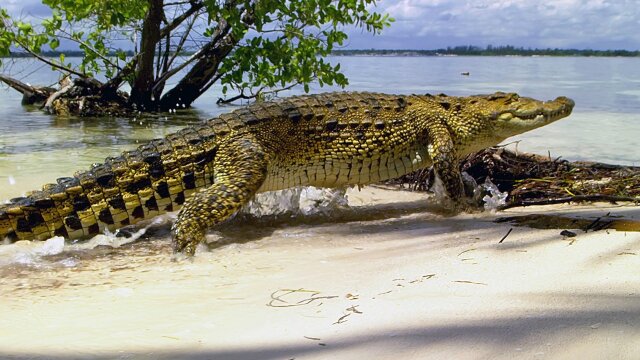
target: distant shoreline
<point>449,51</point>
<point>489,51</point>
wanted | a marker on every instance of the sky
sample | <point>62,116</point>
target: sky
<point>432,24</point>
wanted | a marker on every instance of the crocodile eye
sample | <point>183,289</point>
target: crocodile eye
<point>513,97</point>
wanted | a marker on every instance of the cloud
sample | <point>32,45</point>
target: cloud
<point>561,23</point>
<point>429,24</point>
<point>27,10</point>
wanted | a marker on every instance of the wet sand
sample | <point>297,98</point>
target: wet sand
<point>388,278</point>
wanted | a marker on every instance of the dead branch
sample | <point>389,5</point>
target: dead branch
<point>195,7</point>
<point>30,94</point>
<point>48,106</point>
<point>111,86</point>
<point>180,45</point>
<point>260,92</point>
<point>67,36</point>
<point>20,86</point>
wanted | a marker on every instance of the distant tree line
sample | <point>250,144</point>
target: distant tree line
<point>468,50</point>
<point>67,53</point>
<point>490,50</point>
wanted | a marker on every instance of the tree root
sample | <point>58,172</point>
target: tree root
<point>48,105</point>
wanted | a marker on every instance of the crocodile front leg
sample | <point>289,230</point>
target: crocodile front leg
<point>445,163</point>
<point>240,168</point>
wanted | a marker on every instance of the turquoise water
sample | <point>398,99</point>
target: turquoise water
<point>36,148</point>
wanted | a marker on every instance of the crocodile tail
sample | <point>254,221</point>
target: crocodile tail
<point>61,209</point>
<point>29,217</point>
<point>140,184</point>
<point>6,231</point>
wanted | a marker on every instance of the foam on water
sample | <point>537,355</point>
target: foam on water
<point>289,202</point>
<point>35,253</point>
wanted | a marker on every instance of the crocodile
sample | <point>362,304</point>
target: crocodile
<point>210,170</point>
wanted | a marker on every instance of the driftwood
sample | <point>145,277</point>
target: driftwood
<point>82,96</point>
<point>537,180</point>
<point>48,105</point>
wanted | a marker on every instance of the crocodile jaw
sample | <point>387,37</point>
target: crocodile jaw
<point>527,114</point>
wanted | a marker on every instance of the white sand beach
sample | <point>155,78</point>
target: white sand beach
<point>388,278</point>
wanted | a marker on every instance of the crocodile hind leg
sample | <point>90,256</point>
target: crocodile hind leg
<point>240,168</point>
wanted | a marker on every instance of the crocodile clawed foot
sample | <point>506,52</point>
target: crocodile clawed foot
<point>186,242</point>
<point>470,205</point>
<point>463,205</point>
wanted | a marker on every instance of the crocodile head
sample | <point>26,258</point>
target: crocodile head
<point>495,117</point>
<point>513,115</point>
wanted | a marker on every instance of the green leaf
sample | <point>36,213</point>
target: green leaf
<point>24,27</point>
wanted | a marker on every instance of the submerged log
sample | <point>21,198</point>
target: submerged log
<point>533,179</point>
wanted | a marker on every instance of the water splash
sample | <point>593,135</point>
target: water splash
<point>495,198</point>
<point>26,253</point>
<point>289,202</point>
<point>35,253</point>
<point>297,201</point>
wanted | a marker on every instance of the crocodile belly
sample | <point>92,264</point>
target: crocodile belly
<point>340,172</point>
